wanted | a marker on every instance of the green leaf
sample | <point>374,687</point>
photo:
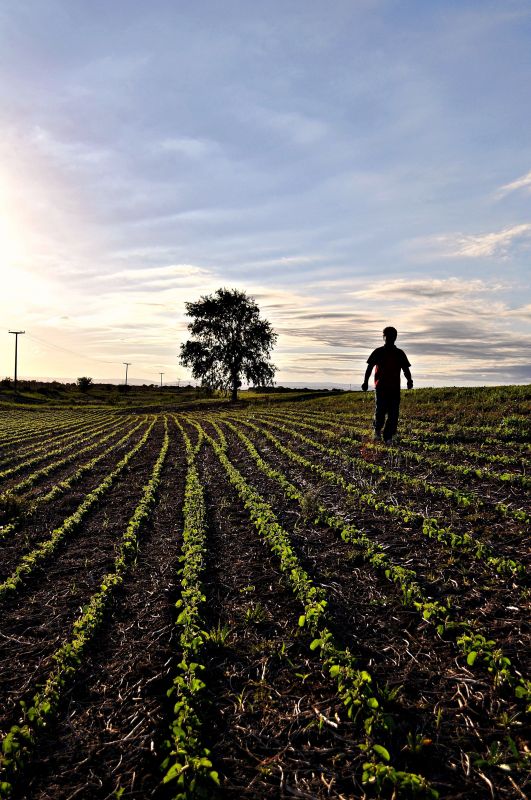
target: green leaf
<point>471,657</point>
<point>381,751</point>
<point>172,773</point>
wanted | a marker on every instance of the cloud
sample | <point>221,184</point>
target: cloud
<point>492,244</point>
<point>188,147</point>
<point>430,288</point>
<point>285,261</point>
<point>301,129</point>
<point>498,244</point>
<point>524,182</point>
<point>297,162</point>
<point>72,154</point>
<point>524,312</point>
<point>150,279</point>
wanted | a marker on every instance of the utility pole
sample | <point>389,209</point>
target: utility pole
<point>161,374</point>
<point>127,365</point>
<point>16,334</point>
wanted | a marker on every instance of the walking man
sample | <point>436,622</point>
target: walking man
<point>389,361</point>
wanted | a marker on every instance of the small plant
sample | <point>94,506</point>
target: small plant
<point>219,635</point>
<point>255,613</point>
<point>416,742</point>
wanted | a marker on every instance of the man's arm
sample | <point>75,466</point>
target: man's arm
<point>407,373</point>
<point>365,384</point>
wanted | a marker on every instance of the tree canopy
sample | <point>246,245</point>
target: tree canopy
<point>84,383</point>
<point>229,342</point>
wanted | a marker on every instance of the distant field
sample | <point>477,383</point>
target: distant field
<point>260,602</point>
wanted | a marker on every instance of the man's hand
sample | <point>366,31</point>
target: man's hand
<point>364,386</point>
<point>410,384</point>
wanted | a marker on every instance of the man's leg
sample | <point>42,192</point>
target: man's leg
<point>379,413</point>
<point>393,409</point>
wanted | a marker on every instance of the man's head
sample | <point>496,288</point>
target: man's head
<point>390,335</point>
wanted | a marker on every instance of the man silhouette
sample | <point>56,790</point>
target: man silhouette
<point>389,361</point>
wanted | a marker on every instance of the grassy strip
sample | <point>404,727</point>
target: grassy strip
<point>429,525</point>
<point>461,498</point>
<point>31,561</point>
<point>474,645</point>
<point>356,689</point>
<point>19,743</point>
<point>61,487</point>
<point>188,761</point>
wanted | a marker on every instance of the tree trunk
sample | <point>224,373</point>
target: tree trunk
<point>235,386</point>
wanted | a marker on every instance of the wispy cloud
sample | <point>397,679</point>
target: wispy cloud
<point>430,288</point>
<point>524,182</point>
<point>499,244</point>
<point>156,278</point>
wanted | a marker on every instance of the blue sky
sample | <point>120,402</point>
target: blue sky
<point>349,164</point>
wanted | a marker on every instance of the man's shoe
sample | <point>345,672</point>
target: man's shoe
<point>377,436</point>
<point>388,442</point>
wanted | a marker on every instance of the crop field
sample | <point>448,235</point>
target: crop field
<point>260,601</point>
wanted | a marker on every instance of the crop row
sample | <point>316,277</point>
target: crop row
<point>60,488</point>
<point>358,435</point>
<point>20,430</point>
<point>460,497</point>
<point>38,440</point>
<point>363,699</point>
<point>85,432</point>
<point>488,434</point>
<point>455,431</point>
<point>426,440</point>
<point>76,447</point>
<point>31,561</point>
<point>20,741</point>
<point>188,761</point>
<point>429,525</point>
<point>476,645</point>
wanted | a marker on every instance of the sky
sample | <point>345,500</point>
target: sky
<point>349,164</point>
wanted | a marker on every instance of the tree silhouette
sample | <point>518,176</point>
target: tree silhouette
<point>84,383</point>
<point>229,342</point>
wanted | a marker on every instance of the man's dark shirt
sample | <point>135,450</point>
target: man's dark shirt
<point>389,361</point>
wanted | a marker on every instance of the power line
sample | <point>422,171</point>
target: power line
<point>67,350</point>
